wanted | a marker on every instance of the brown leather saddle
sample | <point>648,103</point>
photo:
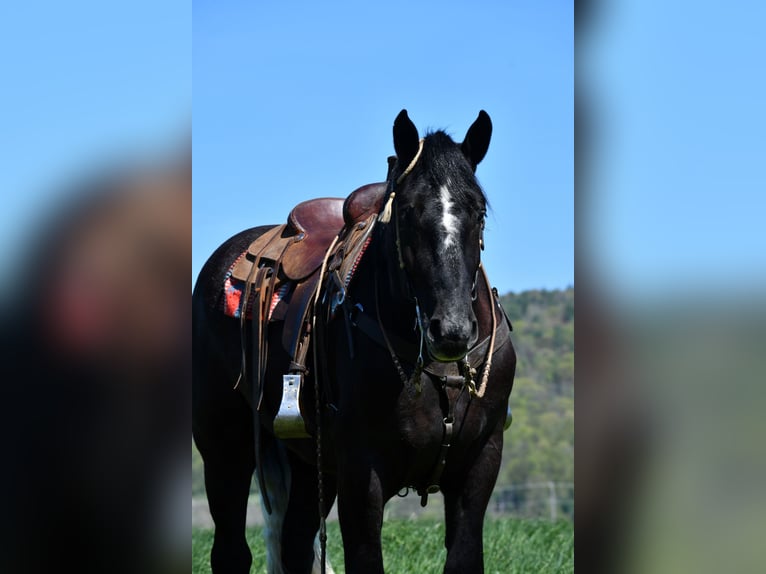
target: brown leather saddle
<point>301,243</point>
<point>291,255</point>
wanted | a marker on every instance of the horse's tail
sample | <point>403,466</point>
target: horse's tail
<point>276,473</point>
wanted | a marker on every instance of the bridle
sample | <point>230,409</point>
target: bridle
<point>390,210</point>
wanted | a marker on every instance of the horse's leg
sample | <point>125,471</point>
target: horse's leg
<point>360,509</point>
<point>276,472</point>
<point>465,504</point>
<point>301,522</point>
<point>228,455</point>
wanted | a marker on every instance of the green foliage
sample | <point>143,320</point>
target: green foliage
<point>510,547</point>
<point>539,446</point>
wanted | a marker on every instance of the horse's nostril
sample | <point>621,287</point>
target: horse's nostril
<point>474,329</point>
<point>452,332</point>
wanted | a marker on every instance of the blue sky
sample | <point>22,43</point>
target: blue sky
<point>677,172</point>
<point>83,84</point>
<point>296,100</point>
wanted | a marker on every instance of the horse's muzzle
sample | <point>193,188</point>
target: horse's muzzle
<point>450,338</point>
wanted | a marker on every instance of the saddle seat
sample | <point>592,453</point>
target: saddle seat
<point>299,245</point>
<point>316,223</point>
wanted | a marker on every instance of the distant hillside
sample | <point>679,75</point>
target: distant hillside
<point>539,446</point>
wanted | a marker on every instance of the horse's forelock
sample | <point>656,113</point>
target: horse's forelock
<point>443,163</point>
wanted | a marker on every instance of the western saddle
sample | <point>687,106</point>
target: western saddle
<point>287,259</point>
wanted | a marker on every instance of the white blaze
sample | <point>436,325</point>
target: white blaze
<point>448,219</point>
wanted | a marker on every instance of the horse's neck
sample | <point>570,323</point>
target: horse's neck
<point>386,291</point>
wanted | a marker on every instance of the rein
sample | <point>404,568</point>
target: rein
<point>318,407</point>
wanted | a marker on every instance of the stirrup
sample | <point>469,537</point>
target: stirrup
<point>289,422</point>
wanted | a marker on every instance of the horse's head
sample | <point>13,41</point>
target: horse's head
<point>436,223</point>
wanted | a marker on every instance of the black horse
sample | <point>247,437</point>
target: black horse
<point>415,367</point>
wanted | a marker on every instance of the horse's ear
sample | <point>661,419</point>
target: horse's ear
<point>476,141</point>
<point>406,139</point>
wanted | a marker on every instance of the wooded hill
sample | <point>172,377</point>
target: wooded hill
<point>539,446</point>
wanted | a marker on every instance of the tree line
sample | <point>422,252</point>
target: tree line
<point>539,446</point>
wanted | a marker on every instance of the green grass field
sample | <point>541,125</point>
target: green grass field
<point>510,546</point>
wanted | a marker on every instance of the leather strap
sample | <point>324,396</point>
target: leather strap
<point>407,349</point>
<point>441,461</point>
<point>256,377</point>
<point>263,279</point>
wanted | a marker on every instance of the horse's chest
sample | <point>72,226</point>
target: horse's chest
<point>428,420</point>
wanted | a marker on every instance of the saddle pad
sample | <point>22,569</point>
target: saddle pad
<point>234,291</point>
